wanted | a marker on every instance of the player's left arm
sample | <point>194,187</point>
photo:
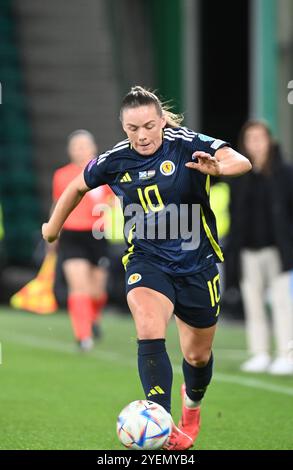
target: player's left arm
<point>232,163</point>
<point>225,162</point>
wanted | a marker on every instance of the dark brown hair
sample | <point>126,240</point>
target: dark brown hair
<point>139,96</point>
<point>272,147</point>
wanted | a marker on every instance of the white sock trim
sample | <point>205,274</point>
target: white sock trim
<point>190,403</point>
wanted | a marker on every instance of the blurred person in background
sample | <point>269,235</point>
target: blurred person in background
<point>262,233</point>
<point>84,258</point>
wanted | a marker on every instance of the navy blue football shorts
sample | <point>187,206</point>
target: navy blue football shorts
<point>196,297</point>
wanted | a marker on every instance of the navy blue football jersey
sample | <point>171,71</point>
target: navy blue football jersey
<point>167,213</point>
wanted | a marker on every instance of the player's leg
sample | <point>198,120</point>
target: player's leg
<point>97,253</point>
<point>196,309</point>
<point>196,346</point>
<point>151,312</point>
<point>78,274</point>
<point>99,279</point>
<point>151,296</point>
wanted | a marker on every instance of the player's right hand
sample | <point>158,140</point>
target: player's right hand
<point>47,233</point>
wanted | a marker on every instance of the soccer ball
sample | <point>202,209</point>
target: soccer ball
<point>143,425</point>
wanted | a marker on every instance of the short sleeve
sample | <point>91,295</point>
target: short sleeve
<point>95,172</point>
<point>205,143</point>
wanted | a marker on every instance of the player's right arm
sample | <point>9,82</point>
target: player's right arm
<point>68,200</point>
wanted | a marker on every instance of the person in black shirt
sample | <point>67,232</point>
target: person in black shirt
<point>262,231</point>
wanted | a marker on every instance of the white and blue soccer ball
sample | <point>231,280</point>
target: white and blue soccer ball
<point>144,425</point>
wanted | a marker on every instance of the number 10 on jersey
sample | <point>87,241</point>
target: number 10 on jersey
<point>147,196</point>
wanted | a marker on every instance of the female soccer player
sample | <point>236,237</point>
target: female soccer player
<point>82,255</point>
<point>163,170</point>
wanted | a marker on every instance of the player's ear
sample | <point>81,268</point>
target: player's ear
<point>164,121</point>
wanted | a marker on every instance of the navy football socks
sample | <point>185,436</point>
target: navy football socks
<point>155,371</point>
<point>197,379</point>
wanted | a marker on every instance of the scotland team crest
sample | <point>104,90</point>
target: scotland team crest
<point>167,168</point>
<point>134,278</point>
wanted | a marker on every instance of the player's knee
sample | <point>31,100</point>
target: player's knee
<point>148,331</point>
<point>198,359</point>
<point>147,325</point>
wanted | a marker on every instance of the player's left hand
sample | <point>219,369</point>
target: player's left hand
<point>205,164</point>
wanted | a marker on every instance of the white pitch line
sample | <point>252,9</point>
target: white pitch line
<point>253,383</point>
<point>59,346</point>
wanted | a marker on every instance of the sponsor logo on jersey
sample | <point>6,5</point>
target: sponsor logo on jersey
<point>134,278</point>
<point>167,168</point>
<point>126,178</point>
<point>146,175</point>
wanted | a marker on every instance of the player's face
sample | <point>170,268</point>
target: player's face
<point>257,145</point>
<point>81,149</point>
<point>143,126</point>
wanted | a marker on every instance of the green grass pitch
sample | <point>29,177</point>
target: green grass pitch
<point>54,397</point>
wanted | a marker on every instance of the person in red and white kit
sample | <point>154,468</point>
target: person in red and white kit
<point>84,257</point>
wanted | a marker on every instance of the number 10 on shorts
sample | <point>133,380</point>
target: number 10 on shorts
<point>214,290</point>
